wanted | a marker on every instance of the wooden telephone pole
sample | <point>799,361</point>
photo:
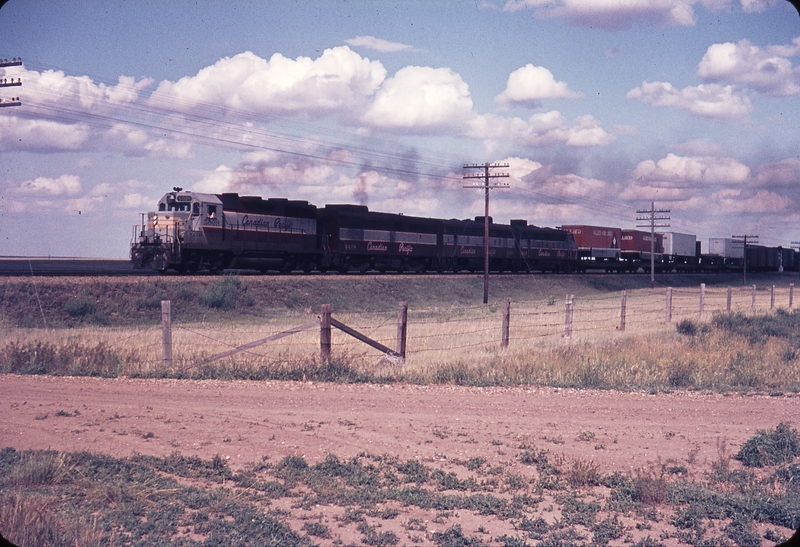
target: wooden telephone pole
<point>743,240</point>
<point>486,176</point>
<point>651,218</point>
<point>6,83</point>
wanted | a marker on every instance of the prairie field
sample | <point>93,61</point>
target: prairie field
<point>663,418</point>
<point>584,335</point>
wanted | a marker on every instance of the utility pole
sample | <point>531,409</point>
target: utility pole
<point>743,240</point>
<point>5,83</point>
<point>652,219</point>
<point>486,176</point>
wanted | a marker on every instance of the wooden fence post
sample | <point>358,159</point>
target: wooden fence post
<point>753,300</point>
<point>668,307</point>
<point>506,322</point>
<point>166,333</point>
<point>568,317</point>
<point>702,299</point>
<point>772,298</point>
<point>729,300</point>
<point>622,310</point>
<point>402,329</point>
<point>325,333</point>
<point>791,294</point>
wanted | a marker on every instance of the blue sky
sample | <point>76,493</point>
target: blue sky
<point>598,106</point>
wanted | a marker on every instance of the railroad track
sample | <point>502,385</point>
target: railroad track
<point>47,266</point>
<point>96,267</point>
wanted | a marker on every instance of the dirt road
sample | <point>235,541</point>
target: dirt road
<point>244,421</point>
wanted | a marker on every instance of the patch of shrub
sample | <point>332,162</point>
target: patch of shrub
<point>454,537</point>
<point>650,488</point>
<point>681,373</point>
<point>607,529</point>
<point>80,307</point>
<point>757,329</point>
<point>687,327</point>
<point>414,471</point>
<point>317,529</point>
<point>740,530</point>
<point>583,473</point>
<point>70,358</point>
<point>780,445</point>
<point>222,294</point>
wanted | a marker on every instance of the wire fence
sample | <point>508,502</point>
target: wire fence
<point>432,334</point>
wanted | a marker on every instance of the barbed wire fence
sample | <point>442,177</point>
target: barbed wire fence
<point>441,334</point>
<point>415,335</point>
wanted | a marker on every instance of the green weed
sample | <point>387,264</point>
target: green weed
<point>773,447</point>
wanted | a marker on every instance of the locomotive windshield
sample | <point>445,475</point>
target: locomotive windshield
<point>173,206</point>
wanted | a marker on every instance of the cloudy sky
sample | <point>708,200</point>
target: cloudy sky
<point>599,107</point>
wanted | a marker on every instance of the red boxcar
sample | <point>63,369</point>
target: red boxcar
<point>638,240</point>
<point>597,237</point>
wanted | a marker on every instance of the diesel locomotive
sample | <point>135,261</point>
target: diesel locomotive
<point>194,231</point>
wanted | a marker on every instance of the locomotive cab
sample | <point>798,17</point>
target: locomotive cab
<point>158,238</point>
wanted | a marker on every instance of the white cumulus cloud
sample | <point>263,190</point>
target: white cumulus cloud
<point>422,100</point>
<point>707,100</point>
<point>541,129</point>
<point>53,87</point>
<point>65,185</point>
<point>338,79</point>
<point>617,14</point>
<point>766,69</point>
<point>40,135</point>
<point>527,85</point>
<point>674,170</point>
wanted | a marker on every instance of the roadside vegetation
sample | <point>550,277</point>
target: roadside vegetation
<point>534,498</point>
<point>728,352</point>
<point>45,302</point>
<point>110,328</point>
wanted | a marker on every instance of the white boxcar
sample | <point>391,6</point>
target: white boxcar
<point>726,247</point>
<point>679,244</point>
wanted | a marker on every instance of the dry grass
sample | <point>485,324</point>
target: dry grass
<point>459,345</point>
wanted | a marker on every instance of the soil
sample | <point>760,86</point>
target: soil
<point>245,421</point>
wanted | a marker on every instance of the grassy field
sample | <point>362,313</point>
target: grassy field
<point>43,302</point>
<point>112,328</point>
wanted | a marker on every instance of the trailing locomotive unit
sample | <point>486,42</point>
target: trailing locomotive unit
<point>358,239</point>
<point>514,247</point>
<point>193,231</point>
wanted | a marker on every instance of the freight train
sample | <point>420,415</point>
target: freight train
<point>193,231</point>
